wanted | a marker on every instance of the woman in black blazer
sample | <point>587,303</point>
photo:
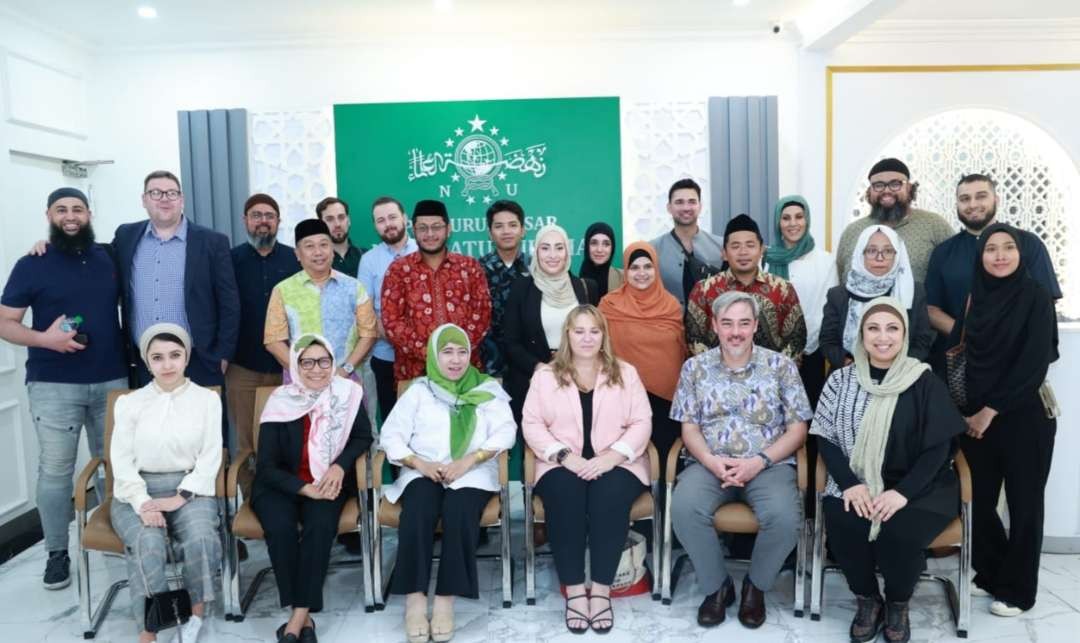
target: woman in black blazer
<point>536,309</point>
<point>310,435</point>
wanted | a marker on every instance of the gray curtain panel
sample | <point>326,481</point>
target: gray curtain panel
<point>743,160</point>
<point>214,168</point>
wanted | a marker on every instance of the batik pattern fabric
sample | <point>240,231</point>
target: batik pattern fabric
<point>499,278</point>
<point>781,326</point>
<point>741,411</point>
<point>341,311</point>
<point>416,300</point>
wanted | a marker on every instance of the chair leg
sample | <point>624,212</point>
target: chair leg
<point>530,548</point>
<point>376,555</point>
<point>817,577</point>
<point>667,582</point>
<point>505,556</point>
<point>800,564</point>
<point>366,545</point>
<point>82,573</point>
<point>963,621</point>
<point>226,558</point>
<point>657,544</point>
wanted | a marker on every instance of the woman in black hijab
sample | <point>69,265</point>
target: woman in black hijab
<point>599,252</point>
<point>1011,339</point>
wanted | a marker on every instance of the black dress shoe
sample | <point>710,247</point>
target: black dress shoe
<point>282,637</point>
<point>751,605</point>
<point>307,634</point>
<point>869,617</point>
<point>713,610</point>
<point>897,623</point>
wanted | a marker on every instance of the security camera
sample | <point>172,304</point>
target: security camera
<point>776,27</point>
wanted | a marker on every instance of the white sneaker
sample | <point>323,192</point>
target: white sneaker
<point>1001,608</point>
<point>188,632</point>
<point>978,591</point>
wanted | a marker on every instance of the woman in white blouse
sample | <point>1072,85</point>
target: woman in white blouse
<point>444,432</point>
<point>812,271</point>
<point>165,455</point>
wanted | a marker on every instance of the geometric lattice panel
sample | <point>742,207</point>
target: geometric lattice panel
<point>292,160</point>
<point>1037,182</point>
<point>662,142</point>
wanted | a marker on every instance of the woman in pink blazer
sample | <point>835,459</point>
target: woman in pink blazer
<point>587,419</point>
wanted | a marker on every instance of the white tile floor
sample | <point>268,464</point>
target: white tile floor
<point>30,613</point>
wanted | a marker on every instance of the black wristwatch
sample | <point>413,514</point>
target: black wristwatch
<point>185,494</point>
<point>562,455</point>
<point>768,461</point>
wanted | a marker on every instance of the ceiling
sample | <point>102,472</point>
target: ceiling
<point>986,9</point>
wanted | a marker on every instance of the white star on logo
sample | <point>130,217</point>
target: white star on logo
<point>454,177</point>
<point>477,123</point>
<point>494,131</point>
<point>487,200</point>
<point>502,176</point>
<point>458,132</point>
<point>504,141</point>
<point>470,200</point>
<point>449,142</point>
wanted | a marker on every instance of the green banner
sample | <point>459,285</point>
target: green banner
<point>559,158</point>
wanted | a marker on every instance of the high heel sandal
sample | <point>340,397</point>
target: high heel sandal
<point>598,617</point>
<point>417,627</point>
<point>442,626</point>
<point>579,616</point>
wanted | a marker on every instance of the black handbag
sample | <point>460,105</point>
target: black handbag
<point>170,608</point>
<point>956,366</point>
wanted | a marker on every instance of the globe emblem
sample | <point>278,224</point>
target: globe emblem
<point>478,158</point>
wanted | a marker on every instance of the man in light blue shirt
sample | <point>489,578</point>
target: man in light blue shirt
<point>389,218</point>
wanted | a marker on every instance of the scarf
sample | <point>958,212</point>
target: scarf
<point>868,456</point>
<point>778,256</point>
<point>600,273</point>
<point>557,290</point>
<point>331,409</point>
<point>164,328</point>
<point>646,326</point>
<point>864,286</point>
<point>461,395</point>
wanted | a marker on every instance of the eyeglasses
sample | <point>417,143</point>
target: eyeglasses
<point>878,253</point>
<point>157,195</point>
<point>308,363</point>
<point>894,185</point>
<point>262,216</point>
<point>434,229</point>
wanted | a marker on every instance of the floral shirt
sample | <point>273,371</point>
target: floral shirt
<point>741,411</point>
<point>499,278</point>
<point>781,326</point>
<point>416,300</point>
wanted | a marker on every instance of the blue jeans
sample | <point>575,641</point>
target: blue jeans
<point>59,412</point>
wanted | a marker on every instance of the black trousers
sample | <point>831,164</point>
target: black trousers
<point>664,429</point>
<point>1015,450</point>
<point>423,503</point>
<point>898,552</point>
<point>812,373</point>
<point>582,513</point>
<point>386,388</point>
<point>299,557</point>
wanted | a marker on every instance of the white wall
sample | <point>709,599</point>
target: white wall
<point>44,112</point>
<point>136,95</point>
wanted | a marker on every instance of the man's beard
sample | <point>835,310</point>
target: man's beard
<point>339,240</point>
<point>71,244</point>
<point>436,251</point>
<point>388,240</point>
<point>978,225</point>
<point>262,241</point>
<point>892,214</point>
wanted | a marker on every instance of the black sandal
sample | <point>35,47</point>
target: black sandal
<point>580,617</point>
<point>597,617</point>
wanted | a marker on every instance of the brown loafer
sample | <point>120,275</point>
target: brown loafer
<point>713,610</point>
<point>751,605</point>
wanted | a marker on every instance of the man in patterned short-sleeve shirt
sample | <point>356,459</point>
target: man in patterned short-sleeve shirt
<point>744,412</point>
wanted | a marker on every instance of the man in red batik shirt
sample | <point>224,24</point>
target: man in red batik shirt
<point>429,288</point>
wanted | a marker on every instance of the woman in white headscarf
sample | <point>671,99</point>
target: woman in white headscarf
<point>879,268</point>
<point>310,435</point>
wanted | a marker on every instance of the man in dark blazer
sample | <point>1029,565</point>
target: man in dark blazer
<point>174,270</point>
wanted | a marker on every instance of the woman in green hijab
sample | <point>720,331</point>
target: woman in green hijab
<point>444,432</point>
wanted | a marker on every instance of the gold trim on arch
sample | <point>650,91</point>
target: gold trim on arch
<point>886,69</point>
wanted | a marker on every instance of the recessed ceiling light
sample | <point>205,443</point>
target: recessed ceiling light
<point>444,5</point>
<point>147,12</point>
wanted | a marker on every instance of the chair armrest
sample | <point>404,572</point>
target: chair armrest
<point>88,472</point>
<point>504,468</point>
<point>361,471</point>
<point>801,468</point>
<point>673,460</point>
<point>219,482</point>
<point>963,471</point>
<point>820,474</point>
<point>232,482</point>
<point>654,463</point>
<point>530,465</point>
<point>376,470</point>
